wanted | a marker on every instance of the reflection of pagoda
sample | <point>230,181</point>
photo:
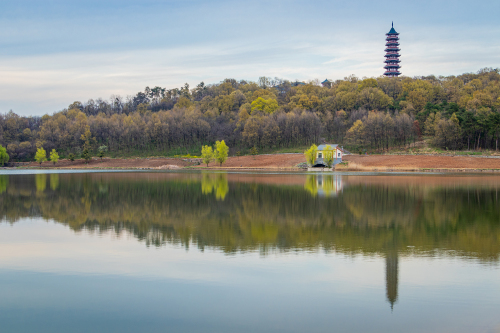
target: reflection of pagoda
<point>391,276</point>
<point>392,54</point>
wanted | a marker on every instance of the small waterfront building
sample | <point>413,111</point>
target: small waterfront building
<point>323,149</point>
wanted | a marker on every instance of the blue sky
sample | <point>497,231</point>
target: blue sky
<point>55,52</point>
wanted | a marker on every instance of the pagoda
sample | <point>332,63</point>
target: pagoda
<point>392,54</point>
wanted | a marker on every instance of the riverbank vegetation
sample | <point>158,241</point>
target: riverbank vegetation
<point>375,114</point>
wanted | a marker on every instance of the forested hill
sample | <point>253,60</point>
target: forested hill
<point>453,112</point>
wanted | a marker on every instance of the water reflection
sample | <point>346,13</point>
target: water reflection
<point>389,216</point>
<point>215,183</point>
<point>391,277</point>
<point>323,185</point>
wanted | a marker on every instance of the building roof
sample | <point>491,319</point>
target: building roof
<point>326,81</point>
<point>323,146</point>
<point>392,31</point>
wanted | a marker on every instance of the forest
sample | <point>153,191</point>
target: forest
<point>363,114</point>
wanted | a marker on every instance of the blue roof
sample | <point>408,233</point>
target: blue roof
<point>326,81</point>
<point>322,147</point>
<point>392,31</point>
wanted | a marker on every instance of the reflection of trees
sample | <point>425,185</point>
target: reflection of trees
<point>54,181</point>
<point>217,182</point>
<point>40,182</point>
<point>4,182</point>
<point>324,185</point>
<point>310,185</point>
<point>364,219</point>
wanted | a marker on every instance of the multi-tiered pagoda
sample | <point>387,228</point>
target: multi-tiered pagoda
<point>392,54</point>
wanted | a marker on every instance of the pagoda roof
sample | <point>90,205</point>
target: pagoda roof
<point>392,31</point>
<point>326,81</point>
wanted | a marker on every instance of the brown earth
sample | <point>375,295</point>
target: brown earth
<point>277,161</point>
<point>289,162</point>
<point>412,162</point>
<point>132,163</point>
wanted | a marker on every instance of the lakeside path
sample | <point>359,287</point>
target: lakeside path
<point>288,162</point>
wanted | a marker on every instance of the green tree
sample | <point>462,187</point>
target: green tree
<point>54,156</point>
<point>86,155</point>
<point>221,152</point>
<point>41,155</point>
<point>87,138</point>
<point>207,154</point>
<point>4,157</point>
<point>101,151</point>
<point>71,157</point>
<point>328,155</point>
<point>254,151</point>
<point>355,134</point>
<point>494,119</point>
<point>311,155</point>
<point>266,105</point>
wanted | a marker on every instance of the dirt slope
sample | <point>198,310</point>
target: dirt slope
<point>425,162</point>
<point>262,161</point>
<point>287,161</point>
<point>116,163</point>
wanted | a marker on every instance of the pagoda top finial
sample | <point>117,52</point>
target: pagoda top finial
<point>392,32</point>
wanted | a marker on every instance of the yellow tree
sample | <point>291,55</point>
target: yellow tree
<point>355,134</point>
<point>4,157</point>
<point>87,138</point>
<point>207,154</point>
<point>41,155</point>
<point>311,155</point>
<point>328,156</point>
<point>221,152</point>
<point>54,156</point>
<point>265,105</point>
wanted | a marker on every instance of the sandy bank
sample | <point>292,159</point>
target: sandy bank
<point>288,162</point>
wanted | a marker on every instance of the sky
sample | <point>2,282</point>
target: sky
<point>54,52</point>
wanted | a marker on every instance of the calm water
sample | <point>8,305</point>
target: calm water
<point>216,252</point>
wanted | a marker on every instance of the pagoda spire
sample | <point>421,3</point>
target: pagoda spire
<point>392,53</point>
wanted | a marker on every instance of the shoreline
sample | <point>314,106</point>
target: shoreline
<point>267,169</point>
<point>282,163</point>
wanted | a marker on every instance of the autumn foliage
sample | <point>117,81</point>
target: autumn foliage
<point>454,112</point>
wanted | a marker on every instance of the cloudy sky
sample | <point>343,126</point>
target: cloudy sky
<point>55,52</point>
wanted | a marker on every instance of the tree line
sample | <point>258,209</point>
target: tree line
<point>454,112</point>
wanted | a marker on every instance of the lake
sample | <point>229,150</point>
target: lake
<point>248,252</point>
